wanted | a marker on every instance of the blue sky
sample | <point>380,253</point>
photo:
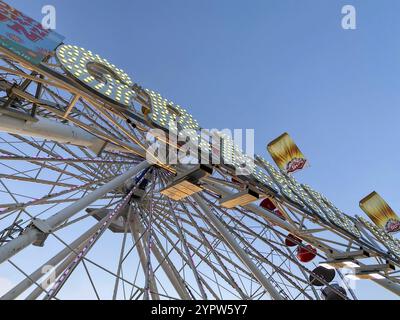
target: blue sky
<point>273,66</point>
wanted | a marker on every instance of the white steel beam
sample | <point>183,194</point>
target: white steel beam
<point>244,257</point>
<point>32,234</point>
<point>166,264</point>
<point>139,240</point>
<point>38,273</point>
<point>56,131</point>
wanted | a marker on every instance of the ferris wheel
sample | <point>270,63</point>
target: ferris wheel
<point>85,214</point>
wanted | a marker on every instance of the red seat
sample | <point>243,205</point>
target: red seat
<point>292,241</point>
<point>306,254</point>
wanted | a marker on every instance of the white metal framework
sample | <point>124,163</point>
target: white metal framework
<point>83,215</point>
